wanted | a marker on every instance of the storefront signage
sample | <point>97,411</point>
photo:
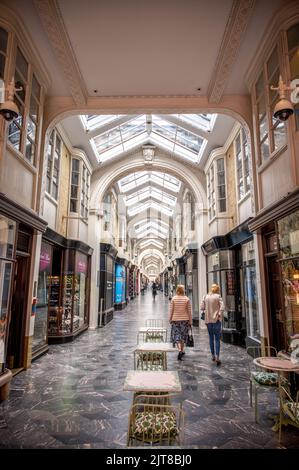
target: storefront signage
<point>45,257</point>
<point>294,242</point>
<point>81,264</point>
<point>230,283</point>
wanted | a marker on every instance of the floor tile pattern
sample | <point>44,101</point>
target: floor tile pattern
<point>72,397</point>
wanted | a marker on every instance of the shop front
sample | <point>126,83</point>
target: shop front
<point>278,228</point>
<point>19,229</point>
<point>107,273</point>
<point>231,265</point>
<point>63,291</point>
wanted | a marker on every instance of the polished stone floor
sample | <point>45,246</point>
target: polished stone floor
<point>73,396</point>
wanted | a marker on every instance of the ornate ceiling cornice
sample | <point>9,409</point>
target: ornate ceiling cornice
<point>51,18</point>
<point>232,38</point>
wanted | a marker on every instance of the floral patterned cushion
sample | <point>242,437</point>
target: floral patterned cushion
<point>155,336</point>
<point>155,425</point>
<point>266,378</point>
<point>151,357</point>
<point>292,409</point>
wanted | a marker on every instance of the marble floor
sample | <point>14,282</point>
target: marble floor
<point>72,397</point>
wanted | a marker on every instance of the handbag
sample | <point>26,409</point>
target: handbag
<point>190,340</point>
<point>202,315</point>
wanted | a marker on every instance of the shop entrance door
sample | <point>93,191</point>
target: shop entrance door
<point>276,324</point>
<point>15,351</point>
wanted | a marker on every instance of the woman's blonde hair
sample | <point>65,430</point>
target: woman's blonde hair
<point>215,289</point>
<point>180,290</point>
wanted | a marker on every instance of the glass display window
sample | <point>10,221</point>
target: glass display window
<point>68,294</point>
<point>41,317</point>
<point>7,253</point>
<point>7,237</point>
<point>288,235</point>
<point>80,290</point>
<point>290,282</point>
<point>5,286</point>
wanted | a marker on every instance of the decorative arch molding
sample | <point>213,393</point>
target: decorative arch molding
<point>102,181</point>
<point>235,106</point>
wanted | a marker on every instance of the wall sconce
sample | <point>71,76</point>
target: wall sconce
<point>284,108</point>
<point>8,108</point>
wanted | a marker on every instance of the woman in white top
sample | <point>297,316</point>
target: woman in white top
<point>213,306</point>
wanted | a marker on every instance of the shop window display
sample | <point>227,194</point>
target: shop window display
<point>249,290</point>
<point>67,294</point>
<point>288,233</point>
<point>7,241</point>
<point>41,316</point>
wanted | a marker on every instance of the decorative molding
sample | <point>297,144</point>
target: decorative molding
<point>232,38</point>
<point>148,153</point>
<point>51,18</point>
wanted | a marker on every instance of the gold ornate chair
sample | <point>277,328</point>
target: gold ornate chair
<point>259,378</point>
<point>150,360</point>
<point>289,407</point>
<point>153,420</point>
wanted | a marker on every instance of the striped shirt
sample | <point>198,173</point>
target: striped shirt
<point>180,309</point>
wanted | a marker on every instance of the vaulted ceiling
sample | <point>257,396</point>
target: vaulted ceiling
<point>137,47</point>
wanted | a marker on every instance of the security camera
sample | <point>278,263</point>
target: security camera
<point>9,110</point>
<point>283,109</point>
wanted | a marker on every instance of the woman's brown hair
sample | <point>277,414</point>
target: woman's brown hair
<point>215,289</point>
<point>180,290</point>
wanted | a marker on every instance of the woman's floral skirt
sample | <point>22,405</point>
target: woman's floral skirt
<point>179,331</point>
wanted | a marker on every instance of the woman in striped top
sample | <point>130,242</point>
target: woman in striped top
<point>180,317</point>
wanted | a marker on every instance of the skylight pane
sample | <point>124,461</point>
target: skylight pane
<point>149,204</point>
<point>107,140</point>
<point>95,121</point>
<point>202,121</point>
<point>151,241</point>
<point>144,222</point>
<point>189,140</point>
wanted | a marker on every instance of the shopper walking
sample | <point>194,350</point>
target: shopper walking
<point>180,318</point>
<point>213,306</point>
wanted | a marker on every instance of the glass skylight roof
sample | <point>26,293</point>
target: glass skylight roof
<point>141,177</point>
<point>151,241</point>
<point>150,192</point>
<point>202,121</point>
<point>145,222</point>
<point>137,130</point>
<point>151,224</point>
<point>151,231</point>
<point>91,122</point>
<point>149,204</point>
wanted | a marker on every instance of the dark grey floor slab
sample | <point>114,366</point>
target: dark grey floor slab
<point>73,396</point>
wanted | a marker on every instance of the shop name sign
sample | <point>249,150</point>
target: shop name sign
<point>45,260</point>
<point>81,266</point>
<point>294,241</point>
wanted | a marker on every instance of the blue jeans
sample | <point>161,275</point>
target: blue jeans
<point>214,330</point>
